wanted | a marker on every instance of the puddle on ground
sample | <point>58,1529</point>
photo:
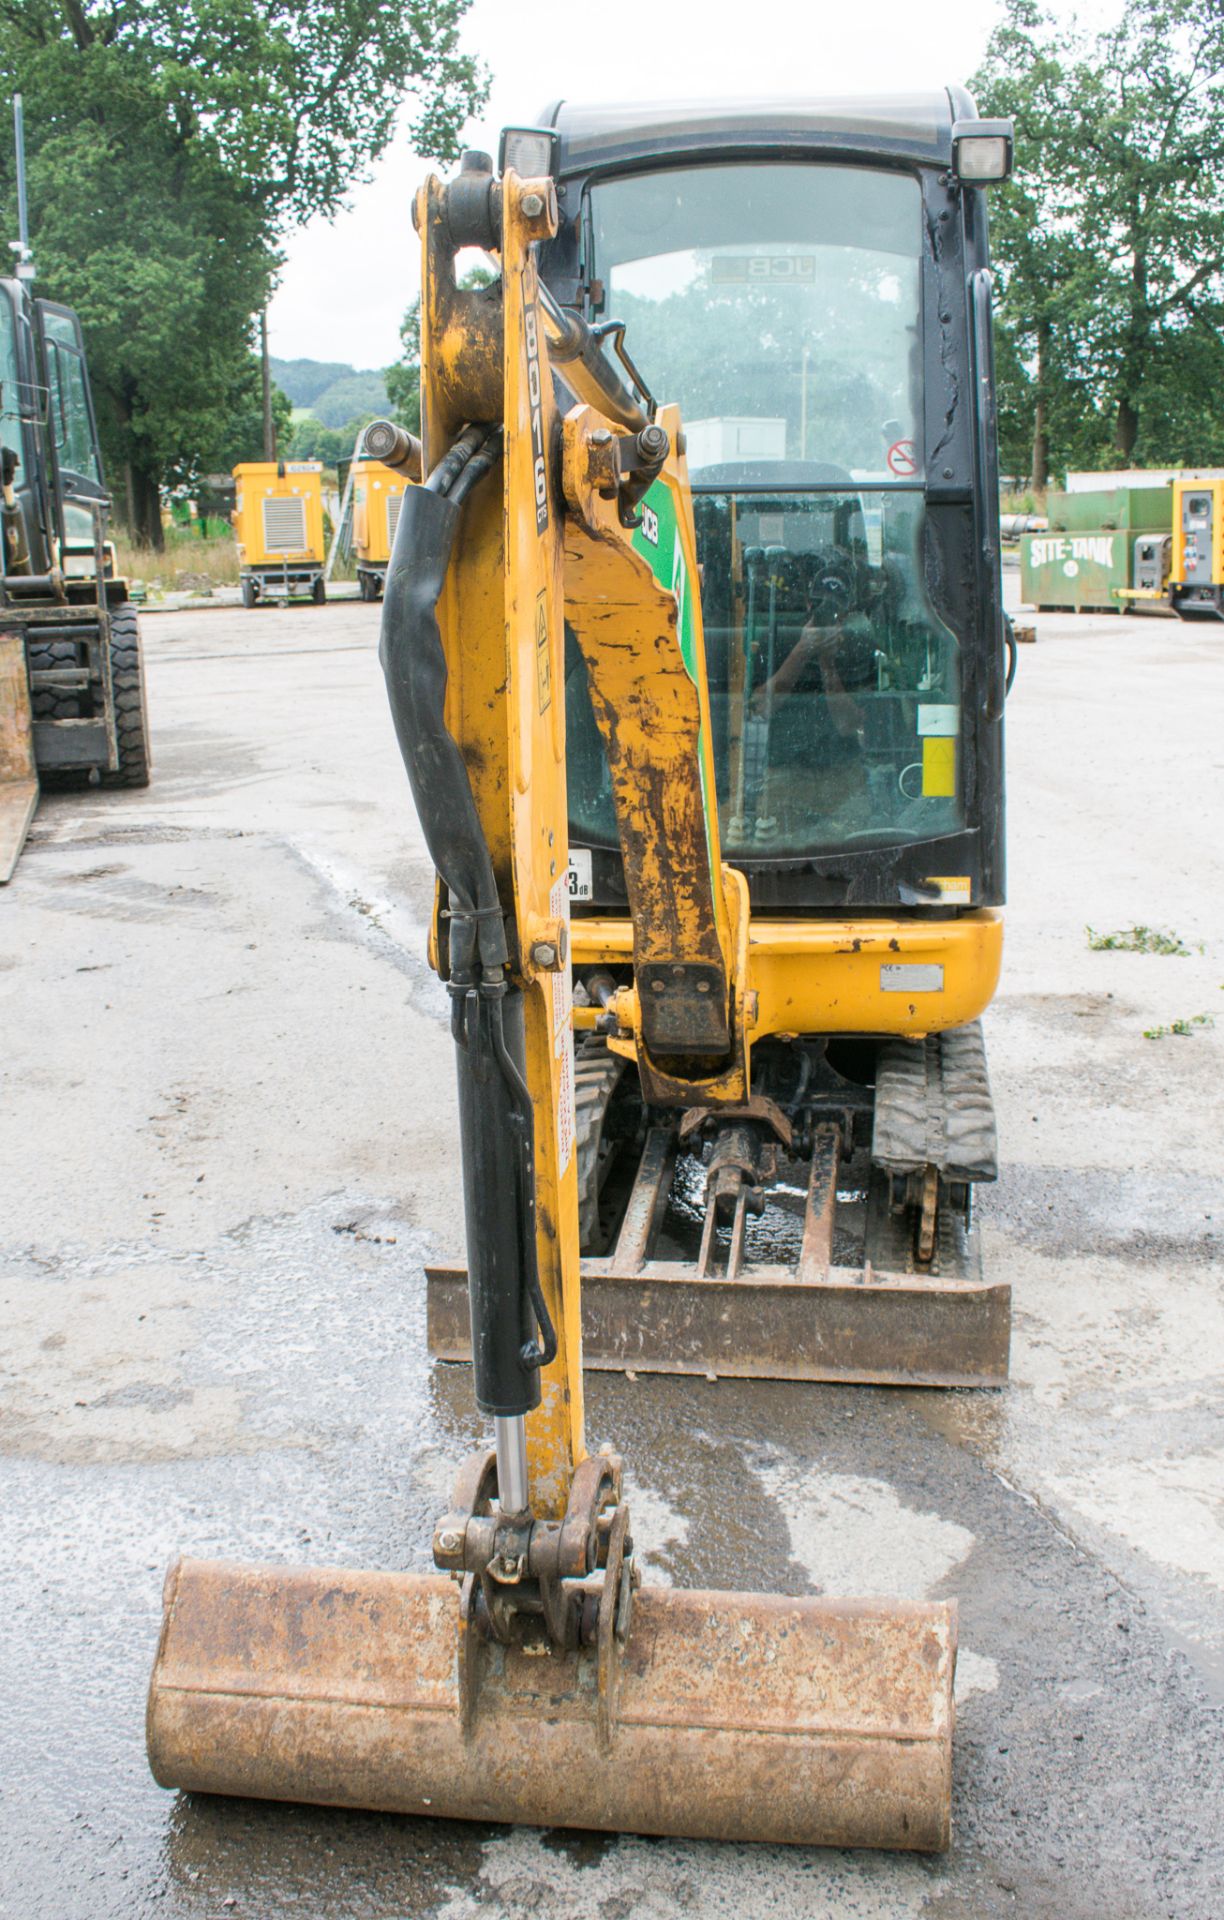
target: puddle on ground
<point>523,1873</point>
<point>855,1536</point>
<point>772,1237</point>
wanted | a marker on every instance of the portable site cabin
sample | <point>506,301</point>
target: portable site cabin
<point>278,522</point>
<point>377,494</point>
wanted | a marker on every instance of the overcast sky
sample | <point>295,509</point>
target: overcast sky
<point>346,282</point>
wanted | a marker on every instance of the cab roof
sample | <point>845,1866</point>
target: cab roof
<point>904,126</point>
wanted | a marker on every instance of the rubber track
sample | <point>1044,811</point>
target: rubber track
<point>933,1106</point>
<point>596,1075</point>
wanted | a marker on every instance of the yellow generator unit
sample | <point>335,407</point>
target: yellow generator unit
<point>1196,581</point>
<point>378,494</point>
<point>278,521</point>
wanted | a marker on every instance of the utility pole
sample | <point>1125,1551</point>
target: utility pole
<point>269,430</point>
<point>21,246</point>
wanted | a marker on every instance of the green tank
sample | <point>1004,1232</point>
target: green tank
<point>1105,509</point>
<point>1089,558</point>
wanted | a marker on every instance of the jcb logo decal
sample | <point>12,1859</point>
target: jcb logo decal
<point>531,334</point>
<point>650,526</point>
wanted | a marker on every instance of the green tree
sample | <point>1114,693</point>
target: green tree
<point>241,436</point>
<point>354,393</point>
<point>312,440</point>
<point>403,380</point>
<point>171,143</point>
<point>1110,237</point>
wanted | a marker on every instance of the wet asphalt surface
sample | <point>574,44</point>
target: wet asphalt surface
<point>227,1141</point>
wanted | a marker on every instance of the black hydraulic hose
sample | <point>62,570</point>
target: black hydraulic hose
<point>805,1074</point>
<point>484,458</point>
<point>414,664</point>
<point>496,1116</point>
<point>455,459</point>
<point>541,1352</point>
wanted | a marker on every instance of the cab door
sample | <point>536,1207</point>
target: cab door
<point>72,434</point>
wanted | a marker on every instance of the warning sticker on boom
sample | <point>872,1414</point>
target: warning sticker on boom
<point>543,668</point>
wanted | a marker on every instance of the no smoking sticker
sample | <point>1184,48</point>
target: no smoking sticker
<point>902,459</point>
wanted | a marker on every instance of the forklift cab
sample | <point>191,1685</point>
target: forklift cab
<point>812,288</point>
<point>72,699</point>
<point>47,423</point>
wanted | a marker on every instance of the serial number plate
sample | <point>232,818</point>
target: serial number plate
<point>911,979</point>
<point>580,887</point>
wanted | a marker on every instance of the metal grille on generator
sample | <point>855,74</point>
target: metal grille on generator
<point>285,525</point>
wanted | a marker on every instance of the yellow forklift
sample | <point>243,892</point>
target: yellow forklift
<point>701,706</point>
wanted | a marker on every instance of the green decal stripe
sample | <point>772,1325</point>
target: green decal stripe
<point>663,556</point>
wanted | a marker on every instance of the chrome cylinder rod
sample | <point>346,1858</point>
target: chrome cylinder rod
<point>510,1436</point>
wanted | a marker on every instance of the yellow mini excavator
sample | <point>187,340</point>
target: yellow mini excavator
<point>702,715</point>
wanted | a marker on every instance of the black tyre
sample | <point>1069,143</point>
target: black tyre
<point>131,713</point>
<point>318,592</point>
<point>365,586</point>
<point>55,703</point>
<point>250,591</point>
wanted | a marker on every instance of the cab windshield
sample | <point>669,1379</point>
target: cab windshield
<point>779,306</point>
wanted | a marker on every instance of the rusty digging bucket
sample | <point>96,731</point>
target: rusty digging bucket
<point>725,1716</point>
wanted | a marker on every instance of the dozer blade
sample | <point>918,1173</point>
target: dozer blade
<point>888,1320</point>
<point>724,1716</point>
<point>18,776</point>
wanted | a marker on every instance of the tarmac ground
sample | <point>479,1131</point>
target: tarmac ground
<point>227,1134</point>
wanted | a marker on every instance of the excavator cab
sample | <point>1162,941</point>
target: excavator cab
<point>812,290</point>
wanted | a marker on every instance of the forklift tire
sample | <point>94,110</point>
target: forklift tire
<point>54,703</point>
<point>128,686</point>
<point>318,592</point>
<point>250,593</point>
<point>367,587</point>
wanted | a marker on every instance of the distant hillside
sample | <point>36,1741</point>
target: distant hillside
<point>333,392</point>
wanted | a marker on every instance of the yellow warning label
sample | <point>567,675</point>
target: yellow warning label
<point>543,667</point>
<point>956,888</point>
<point>938,767</point>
